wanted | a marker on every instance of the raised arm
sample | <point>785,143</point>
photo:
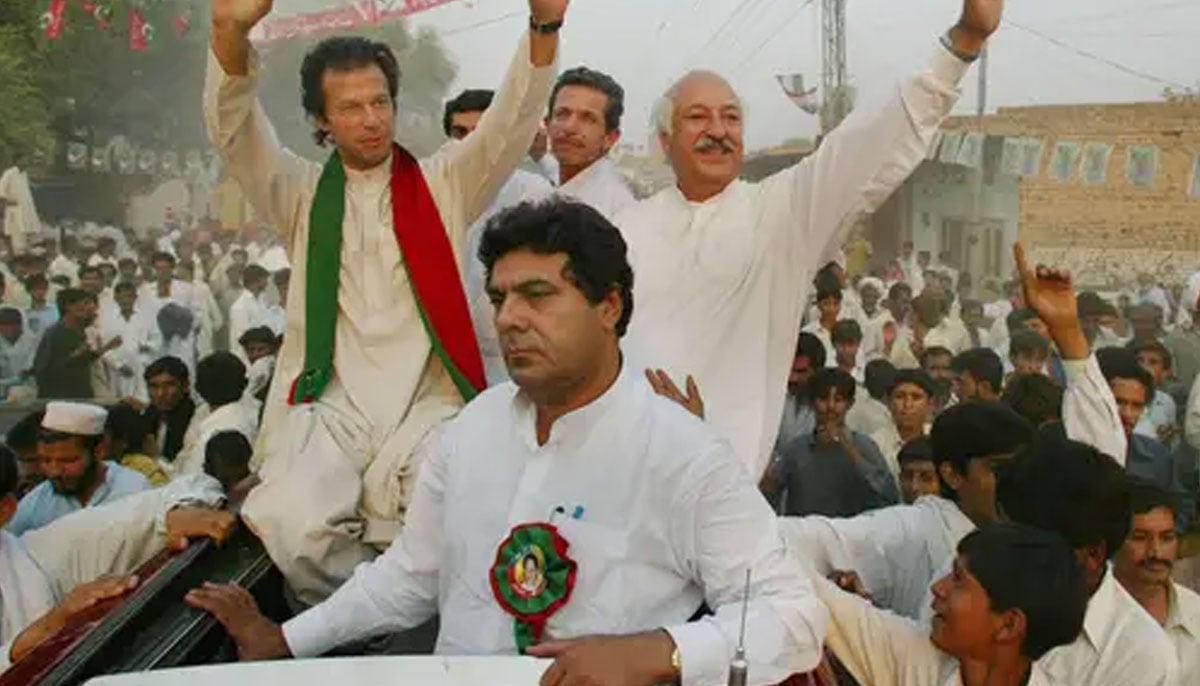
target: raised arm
<point>475,170</point>
<point>1089,409</point>
<point>860,164</point>
<point>118,537</point>
<point>274,179</point>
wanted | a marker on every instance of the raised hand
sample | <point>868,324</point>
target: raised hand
<point>547,11</point>
<point>979,20</point>
<point>662,384</point>
<point>240,13</point>
<point>1051,293</point>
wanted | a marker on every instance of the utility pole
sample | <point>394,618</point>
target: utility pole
<point>834,89</point>
<point>980,112</point>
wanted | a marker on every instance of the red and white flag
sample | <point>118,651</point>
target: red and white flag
<point>793,87</point>
<point>141,32</point>
<point>54,18</point>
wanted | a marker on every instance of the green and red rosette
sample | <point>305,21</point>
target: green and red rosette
<point>532,579</point>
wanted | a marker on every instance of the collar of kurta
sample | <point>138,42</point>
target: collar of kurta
<point>427,257</point>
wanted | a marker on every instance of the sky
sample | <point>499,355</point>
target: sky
<point>1088,51</point>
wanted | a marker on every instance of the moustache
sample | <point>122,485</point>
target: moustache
<point>1155,563</point>
<point>708,144</point>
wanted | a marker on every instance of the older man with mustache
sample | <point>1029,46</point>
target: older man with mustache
<point>724,267</point>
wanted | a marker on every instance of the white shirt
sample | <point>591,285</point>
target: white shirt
<point>1159,413</point>
<point>132,332</point>
<point>1183,626</point>
<point>241,416</point>
<point>1089,409</point>
<point>949,334</point>
<point>733,273</point>
<point>65,267</point>
<point>1121,645</point>
<point>247,312</point>
<point>669,520</point>
<point>826,337</point>
<point>868,416</point>
<point>521,187</point>
<point>382,347</point>
<point>895,550</point>
<point>601,186</point>
<point>883,649</point>
<point>41,567</point>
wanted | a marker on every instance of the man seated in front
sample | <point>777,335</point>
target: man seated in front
<point>77,475</point>
<point>632,513</point>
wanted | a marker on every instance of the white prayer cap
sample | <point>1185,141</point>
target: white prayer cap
<point>873,283</point>
<point>79,419</point>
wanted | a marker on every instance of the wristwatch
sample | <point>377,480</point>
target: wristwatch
<point>948,43</point>
<point>545,29</point>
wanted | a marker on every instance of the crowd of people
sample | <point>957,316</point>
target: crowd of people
<point>629,436</point>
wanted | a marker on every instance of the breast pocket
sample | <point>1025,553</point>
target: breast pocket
<point>600,554</point>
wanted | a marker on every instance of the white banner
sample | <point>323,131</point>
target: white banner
<point>936,146</point>
<point>970,153</point>
<point>950,145</point>
<point>1031,157</point>
<point>1011,158</point>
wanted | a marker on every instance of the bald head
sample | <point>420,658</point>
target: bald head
<point>700,128</point>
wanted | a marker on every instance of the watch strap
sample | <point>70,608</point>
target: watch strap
<point>547,28</point>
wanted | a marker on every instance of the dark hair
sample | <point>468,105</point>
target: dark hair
<point>471,100</point>
<point>259,334</point>
<point>127,424</point>
<point>614,109</point>
<point>87,269</point>
<point>221,379</point>
<point>172,366</point>
<point>930,311</point>
<point>832,379</point>
<point>1145,497</point>
<point>126,261</point>
<point>1036,397</point>
<point>10,476</point>
<point>163,256</point>
<point>24,434</point>
<point>1026,342</point>
<point>879,377</point>
<point>36,281</point>
<point>282,276</point>
<point>254,272</point>
<point>897,289</point>
<point>1017,319</point>
<point>71,296</point>
<point>1034,571</point>
<point>970,304</point>
<point>846,331</point>
<point>827,291</point>
<point>597,256</point>
<point>11,315</point>
<point>1089,304</point>
<point>917,450</point>
<point>1121,363</point>
<point>1155,347</point>
<point>1067,487</point>
<point>343,53</point>
<point>915,377</point>
<point>983,364</point>
<point>973,430</point>
<point>124,286</point>
<point>232,446</point>
<point>810,348</point>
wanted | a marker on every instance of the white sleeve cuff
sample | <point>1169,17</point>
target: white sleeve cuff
<point>1078,369</point>
<point>703,653</point>
<point>946,68</point>
<point>308,635</point>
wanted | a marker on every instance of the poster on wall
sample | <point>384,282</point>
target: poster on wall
<point>1012,156</point>
<point>1142,165</point>
<point>1064,161</point>
<point>1095,164</point>
<point>951,142</point>
<point>1196,178</point>
<point>970,153</point>
<point>935,146</point>
<point>1031,156</point>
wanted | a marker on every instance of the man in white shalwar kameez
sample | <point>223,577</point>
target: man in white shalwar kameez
<point>651,509</point>
<point>583,126</point>
<point>338,472</point>
<point>50,574</point>
<point>724,266</point>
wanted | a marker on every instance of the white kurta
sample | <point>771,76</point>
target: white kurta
<point>601,186</point>
<point>40,568</point>
<point>347,461</point>
<point>668,520</point>
<point>247,312</point>
<point>131,331</point>
<point>1121,645</point>
<point>883,649</point>
<point>1183,626</point>
<point>733,273</point>
<point>241,416</point>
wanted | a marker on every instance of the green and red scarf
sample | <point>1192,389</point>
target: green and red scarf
<point>432,272</point>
